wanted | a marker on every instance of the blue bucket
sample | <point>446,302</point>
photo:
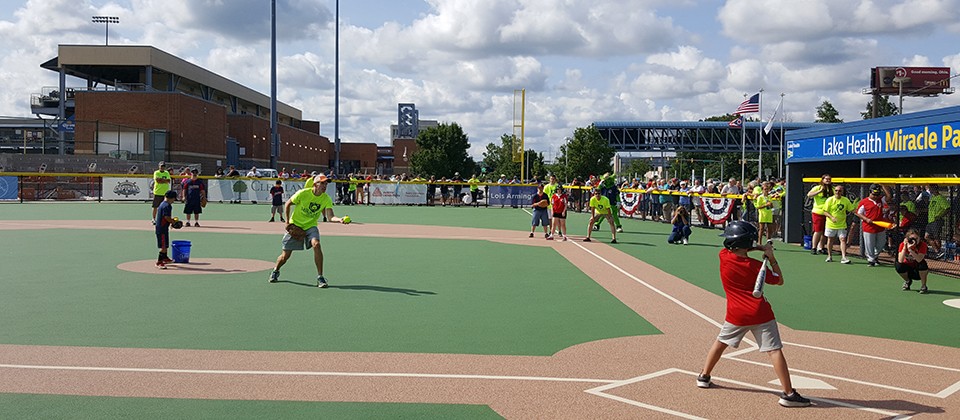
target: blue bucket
<point>181,251</point>
<point>807,242</point>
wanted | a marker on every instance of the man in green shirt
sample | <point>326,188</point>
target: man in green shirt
<point>311,203</point>
<point>548,190</point>
<point>161,184</point>
<point>474,189</point>
<point>936,212</point>
<point>835,209</point>
<point>599,209</point>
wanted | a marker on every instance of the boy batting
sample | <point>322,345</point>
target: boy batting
<point>746,313</point>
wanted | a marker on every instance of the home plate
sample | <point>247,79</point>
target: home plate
<point>803,382</point>
<point>952,302</point>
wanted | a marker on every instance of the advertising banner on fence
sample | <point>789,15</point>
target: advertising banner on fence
<point>513,195</point>
<point>140,189</point>
<point>8,188</point>
<point>255,190</point>
<point>383,193</point>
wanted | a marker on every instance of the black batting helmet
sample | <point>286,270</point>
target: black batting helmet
<point>739,234</point>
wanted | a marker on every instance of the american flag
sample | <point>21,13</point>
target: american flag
<point>749,105</point>
<point>736,123</point>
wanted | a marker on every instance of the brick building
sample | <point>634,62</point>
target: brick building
<point>144,104</point>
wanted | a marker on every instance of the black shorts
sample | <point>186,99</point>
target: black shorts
<point>192,207</point>
<point>559,216</point>
<point>163,239</point>
<point>157,199</point>
<point>912,271</point>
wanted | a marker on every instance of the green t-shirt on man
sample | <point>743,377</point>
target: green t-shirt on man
<point>310,207</point>
<point>161,188</point>
<point>838,208</point>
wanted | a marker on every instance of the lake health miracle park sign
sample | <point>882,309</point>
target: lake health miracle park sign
<point>912,141</point>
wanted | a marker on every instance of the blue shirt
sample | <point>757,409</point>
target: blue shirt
<point>163,211</point>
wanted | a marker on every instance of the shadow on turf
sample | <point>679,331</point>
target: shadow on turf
<point>367,288</point>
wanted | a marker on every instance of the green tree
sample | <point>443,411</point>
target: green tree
<point>826,113</point>
<point>636,168</point>
<point>443,151</point>
<point>585,154</point>
<point>499,158</point>
<point>885,108</point>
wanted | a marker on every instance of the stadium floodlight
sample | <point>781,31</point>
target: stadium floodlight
<point>107,20</point>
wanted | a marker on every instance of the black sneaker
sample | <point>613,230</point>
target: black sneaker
<point>923,290</point>
<point>906,285</point>
<point>586,239</point>
<point>814,252</point>
<point>823,251</point>
<point>613,241</point>
<point>274,276</point>
<point>794,400</point>
<point>703,381</point>
<point>531,234</point>
<point>321,282</point>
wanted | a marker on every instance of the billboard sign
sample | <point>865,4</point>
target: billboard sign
<point>917,81</point>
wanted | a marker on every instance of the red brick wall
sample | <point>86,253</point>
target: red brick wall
<point>366,153</point>
<point>298,148</point>
<point>399,166</point>
<point>194,125</point>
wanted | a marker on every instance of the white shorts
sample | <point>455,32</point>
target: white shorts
<point>834,233</point>
<point>766,334</point>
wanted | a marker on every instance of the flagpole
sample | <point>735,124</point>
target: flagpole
<point>782,140</point>
<point>760,138</point>
<point>743,148</point>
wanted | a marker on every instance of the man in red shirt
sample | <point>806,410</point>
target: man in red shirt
<point>870,210</point>
<point>910,262</point>
<point>745,313</point>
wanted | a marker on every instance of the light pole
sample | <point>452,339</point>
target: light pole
<point>566,159</point>
<point>900,81</point>
<point>107,20</point>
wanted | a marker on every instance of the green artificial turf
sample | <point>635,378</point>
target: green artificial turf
<point>34,406</point>
<point>63,287</point>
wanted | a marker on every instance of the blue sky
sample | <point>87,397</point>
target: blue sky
<point>460,60</point>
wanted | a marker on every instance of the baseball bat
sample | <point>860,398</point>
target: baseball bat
<point>761,276</point>
<point>883,224</point>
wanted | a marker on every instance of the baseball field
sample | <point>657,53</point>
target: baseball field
<point>439,313</point>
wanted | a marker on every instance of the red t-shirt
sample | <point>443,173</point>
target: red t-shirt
<point>559,203</point>
<point>873,211</point>
<point>921,249</point>
<point>738,275</point>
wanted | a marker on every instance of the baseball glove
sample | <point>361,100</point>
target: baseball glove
<point>296,232</point>
<point>177,224</point>
<point>203,203</point>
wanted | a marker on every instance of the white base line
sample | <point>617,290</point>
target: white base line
<point>307,373</point>
<point>600,391</point>
<point>867,356</point>
<point>840,378</point>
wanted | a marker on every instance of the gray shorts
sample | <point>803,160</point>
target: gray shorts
<point>766,334</point>
<point>290,244</point>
